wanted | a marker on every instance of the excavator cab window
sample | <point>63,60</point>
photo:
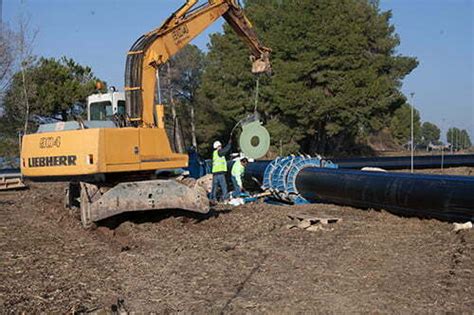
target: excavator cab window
<point>101,110</point>
<point>103,106</point>
<point>121,107</point>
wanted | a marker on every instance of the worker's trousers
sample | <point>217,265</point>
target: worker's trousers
<point>237,189</point>
<point>218,180</point>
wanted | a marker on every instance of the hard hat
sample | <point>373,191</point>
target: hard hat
<point>217,144</point>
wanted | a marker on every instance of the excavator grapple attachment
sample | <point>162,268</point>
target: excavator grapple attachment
<point>262,64</point>
<point>98,203</point>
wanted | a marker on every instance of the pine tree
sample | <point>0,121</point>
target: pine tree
<point>459,139</point>
<point>430,133</point>
<point>400,125</point>
<point>336,77</point>
<point>54,87</point>
<point>180,86</point>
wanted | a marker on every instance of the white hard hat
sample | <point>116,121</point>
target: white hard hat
<point>217,144</point>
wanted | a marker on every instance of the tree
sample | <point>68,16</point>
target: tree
<point>177,135</point>
<point>15,53</point>
<point>336,75</point>
<point>452,136</point>
<point>400,125</point>
<point>430,133</point>
<point>25,48</point>
<point>8,40</point>
<point>15,49</point>
<point>459,139</point>
<point>53,87</point>
<point>182,81</point>
<point>465,140</point>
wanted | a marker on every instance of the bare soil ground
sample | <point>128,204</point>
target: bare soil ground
<point>235,260</point>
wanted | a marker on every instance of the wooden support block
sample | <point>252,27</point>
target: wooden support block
<point>313,219</point>
<point>7,183</point>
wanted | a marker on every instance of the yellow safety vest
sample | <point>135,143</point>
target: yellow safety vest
<point>238,171</point>
<point>219,164</point>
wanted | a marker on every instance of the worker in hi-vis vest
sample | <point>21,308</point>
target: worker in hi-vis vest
<point>238,171</point>
<point>219,170</point>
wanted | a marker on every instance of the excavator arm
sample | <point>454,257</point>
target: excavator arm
<point>158,46</point>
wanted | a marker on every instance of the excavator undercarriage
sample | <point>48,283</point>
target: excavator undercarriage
<point>97,202</point>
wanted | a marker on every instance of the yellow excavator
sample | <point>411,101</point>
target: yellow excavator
<point>114,165</point>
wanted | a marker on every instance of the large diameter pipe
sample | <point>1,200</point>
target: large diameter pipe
<point>404,162</point>
<point>396,162</point>
<point>444,197</point>
<point>5,171</point>
<point>256,169</point>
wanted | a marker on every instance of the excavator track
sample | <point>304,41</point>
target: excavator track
<point>100,202</point>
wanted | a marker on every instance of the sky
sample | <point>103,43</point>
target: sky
<point>440,33</point>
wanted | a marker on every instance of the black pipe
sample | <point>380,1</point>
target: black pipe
<point>448,198</point>
<point>404,162</point>
<point>394,162</point>
<point>10,171</point>
<point>256,169</point>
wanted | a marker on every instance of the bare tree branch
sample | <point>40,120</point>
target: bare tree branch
<point>8,42</point>
<point>26,38</point>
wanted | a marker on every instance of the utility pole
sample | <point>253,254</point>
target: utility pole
<point>442,158</point>
<point>443,146</point>
<point>412,94</point>
<point>1,17</point>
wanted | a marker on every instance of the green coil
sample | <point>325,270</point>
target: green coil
<point>254,140</point>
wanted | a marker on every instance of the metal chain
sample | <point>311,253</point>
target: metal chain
<point>256,95</point>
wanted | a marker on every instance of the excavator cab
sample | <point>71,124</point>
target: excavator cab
<point>103,106</point>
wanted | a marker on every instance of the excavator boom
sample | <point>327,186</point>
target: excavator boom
<point>158,46</point>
